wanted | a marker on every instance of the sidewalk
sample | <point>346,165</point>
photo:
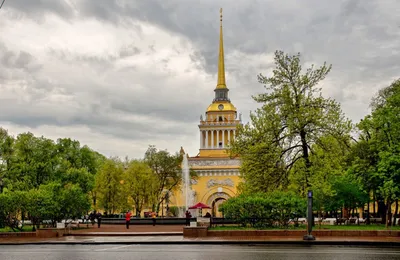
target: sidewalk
<point>370,241</point>
<point>134,230</point>
<point>172,234</point>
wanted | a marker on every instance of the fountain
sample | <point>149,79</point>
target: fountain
<point>186,189</point>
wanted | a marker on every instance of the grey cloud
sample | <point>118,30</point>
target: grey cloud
<point>18,60</point>
<point>129,51</point>
<point>99,63</point>
<point>360,38</point>
<point>99,117</point>
<point>40,7</point>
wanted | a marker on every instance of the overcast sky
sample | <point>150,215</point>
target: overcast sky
<point>119,75</point>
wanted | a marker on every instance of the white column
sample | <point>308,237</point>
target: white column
<point>212,138</point>
<point>206,145</point>
<point>217,138</point>
<point>201,139</point>
<point>229,136</point>
<point>223,138</point>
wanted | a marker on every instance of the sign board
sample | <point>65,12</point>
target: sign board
<point>60,225</point>
<point>203,220</point>
<point>193,224</point>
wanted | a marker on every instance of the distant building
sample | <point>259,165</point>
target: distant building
<point>218,173</point>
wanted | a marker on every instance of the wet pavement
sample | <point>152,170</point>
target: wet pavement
<point>172,234</point>
<point>198,252</point>
<point>176,239</point>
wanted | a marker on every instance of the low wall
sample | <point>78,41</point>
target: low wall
<point>50,232</point>
<point>17,234</point>
<point>42,233</point>
<point>195,232</point>
<point>203,232</point>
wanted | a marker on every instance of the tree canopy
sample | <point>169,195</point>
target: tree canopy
<point>45,180</point>
<point>294,124</point>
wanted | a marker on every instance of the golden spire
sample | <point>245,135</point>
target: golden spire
<point>221,65</point>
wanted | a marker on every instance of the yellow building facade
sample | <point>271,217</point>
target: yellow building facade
<point>218,173</point>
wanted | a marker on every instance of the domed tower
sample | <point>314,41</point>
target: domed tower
<point>218,127</point>
<point>218,173</point>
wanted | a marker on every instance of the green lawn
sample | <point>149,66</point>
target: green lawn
<point>303,227</point>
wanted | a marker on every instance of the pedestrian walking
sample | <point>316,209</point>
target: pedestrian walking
<point>128,218</point>
<point>92,217</point>
<point>98,219</point>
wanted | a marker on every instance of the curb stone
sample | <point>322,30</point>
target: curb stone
<point>215,242</point>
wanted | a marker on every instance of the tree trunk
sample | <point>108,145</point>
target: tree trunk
<point>374,208</point>
<point>382,210</point>
<point>305,154</point>
<point>389,213</point>
<point>337,217</point>
<point>368,221</point>
<point>138,212</point>
<point>94,199</point>
<point>396,211</point>
<point>319,219</point>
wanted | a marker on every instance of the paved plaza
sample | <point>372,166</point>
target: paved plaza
<point>172,234</point>
<point>199,252</point>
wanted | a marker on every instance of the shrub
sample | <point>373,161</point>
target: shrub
<point>264,209</point>
<point>174,211</point>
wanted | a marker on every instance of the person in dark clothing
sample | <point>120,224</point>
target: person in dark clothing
<point>128,218</point>
<point>92,217</point>
<point>98,216</point>
<point>188,217</point>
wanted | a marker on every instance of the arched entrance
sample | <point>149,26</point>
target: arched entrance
<point>215,200</point>
<point>215,206</point>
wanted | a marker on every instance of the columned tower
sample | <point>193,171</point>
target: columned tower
<point>218,173</point>
<point>218,127</point>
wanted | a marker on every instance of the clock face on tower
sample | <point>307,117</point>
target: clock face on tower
<point>220,107</point>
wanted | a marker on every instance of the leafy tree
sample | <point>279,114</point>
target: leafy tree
<point>74,200</point>
<point>288,128</point>
<point>348,193</point>
<point>80,177</point>
<point>34,161</point>
<point>363,161</point>
<point>108,185</point>
<point>44,204</point>
<point>12,205</point>
<point>167,169</point>
<point>328,163</point>
<point>139,184</point>
<point>377,158</point>
<point>45,180</point>
<point>6,151</point>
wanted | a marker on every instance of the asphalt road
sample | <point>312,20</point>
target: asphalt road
<point>198,252</point>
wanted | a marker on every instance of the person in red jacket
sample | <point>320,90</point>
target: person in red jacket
<point>128,218</point>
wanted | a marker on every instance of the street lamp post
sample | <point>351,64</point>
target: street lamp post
<point>309,217</point>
